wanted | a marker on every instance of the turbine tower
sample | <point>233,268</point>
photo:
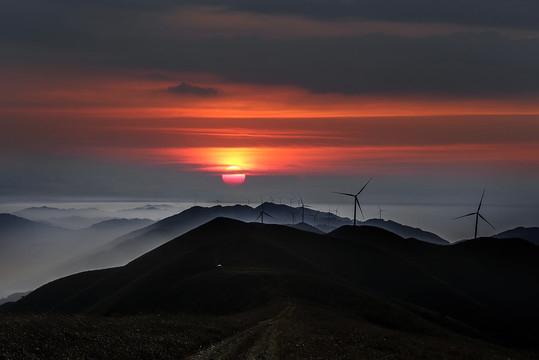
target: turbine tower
<point>293,213</point>
<point>302,209</point>
<point>477,216</point>
<point>314,217</point>
<point>356,201</point>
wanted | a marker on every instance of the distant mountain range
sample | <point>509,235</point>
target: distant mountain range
<point>406,231</point>
<point>484,288</point>
<point>131,245</point>
<point>80,218</point>
<point>19,233</point>
<point>530,234</point>
<point>43,212</point>
<point>30,251</point>
<point>67,218</point>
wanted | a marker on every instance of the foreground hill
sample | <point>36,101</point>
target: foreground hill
<point>365,278</point>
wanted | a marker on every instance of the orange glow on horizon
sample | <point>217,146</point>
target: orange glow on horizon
<point>386,160</point>
<point>263,129</point>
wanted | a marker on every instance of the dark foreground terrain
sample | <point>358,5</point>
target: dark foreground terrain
<point>288,331</point>
<point>231,290</point>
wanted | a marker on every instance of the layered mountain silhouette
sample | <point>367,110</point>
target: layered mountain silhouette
<point>131,245</point>
<point>30,251</point>
<point>16,226</point>
<point>18,234</point>
<point>44,212</point>
<point>68,218</point>
<point>116,227</point>
<point>530,234</point>
<point>483,288</point>
<point>406,231</point>
<point>13,297</point>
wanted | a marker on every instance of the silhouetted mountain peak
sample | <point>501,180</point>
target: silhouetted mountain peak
<point>221,223</point>
<point>406,231</point>
<point>530,234</point>
<point>9,220</point>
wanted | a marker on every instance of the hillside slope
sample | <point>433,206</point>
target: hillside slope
<point>483,288</point>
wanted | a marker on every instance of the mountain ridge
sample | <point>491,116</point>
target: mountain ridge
<point>227,266</point>
<point>128,246</point>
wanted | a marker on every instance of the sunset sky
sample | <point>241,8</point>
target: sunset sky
<point>152,100</point>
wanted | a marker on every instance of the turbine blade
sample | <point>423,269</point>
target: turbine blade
<point>347,194</point>
<point>270,216</point>
<point>359,192</point>
<point>300,199</point>
<point>481,201</point>
<point>470,214</point>
<point>259,215</point>
<point>361,211</point>
<point>487,221</point>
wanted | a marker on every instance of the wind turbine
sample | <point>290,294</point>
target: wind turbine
<point>262,213</point>
<point>329,214</point>
<point>314,217</point>
<point>477,216</point>
<point>302,209</point>
<point>293,213</point>
<point>356,201</point>
<point>380,210</point>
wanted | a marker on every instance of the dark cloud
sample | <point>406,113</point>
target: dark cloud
<point>521,14</point>
<point>188,89</point>
<point>34,19</point>
<point>159,77</point>
<point>461,64</point>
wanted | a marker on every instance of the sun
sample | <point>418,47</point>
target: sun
<point>233,175</point>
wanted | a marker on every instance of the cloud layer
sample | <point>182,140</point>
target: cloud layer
<point>492,13</point>
<point>188,89</point>
<point>138,34</point>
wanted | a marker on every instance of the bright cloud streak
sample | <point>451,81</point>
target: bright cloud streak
<point>132,95</point>
<point>380,160</point>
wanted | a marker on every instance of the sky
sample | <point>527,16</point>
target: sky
<point>152,100</point>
